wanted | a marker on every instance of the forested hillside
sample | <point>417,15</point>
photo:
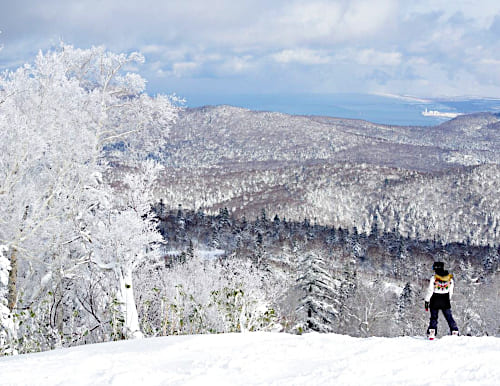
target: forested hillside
<point>428,182</point>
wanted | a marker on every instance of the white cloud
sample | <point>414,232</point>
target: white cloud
<point>185,69</point>
<point>490,61</point>
<point>326,22</point>
<point>152,49</point>
<point>481,12</point>
<point>417,61</point>
<point>370,57</point>
<point>238,65</point>
<point>312,18</point>
<point>301,56</point>
<point>364,19</point>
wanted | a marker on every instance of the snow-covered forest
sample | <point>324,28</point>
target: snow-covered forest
<point>456,205</point>
<point>292,225</point>
<point>308,277</point>
<point>430,183</point>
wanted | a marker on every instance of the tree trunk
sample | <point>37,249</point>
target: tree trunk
<point>128,306</point>
<point>12,296</point>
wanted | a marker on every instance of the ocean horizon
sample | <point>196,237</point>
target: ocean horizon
<point>381,109</point>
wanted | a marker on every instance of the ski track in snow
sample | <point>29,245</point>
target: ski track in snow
<point>263,359</point>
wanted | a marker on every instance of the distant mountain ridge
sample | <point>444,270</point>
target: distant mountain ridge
<point>221,134</point>
<point>428,182</point>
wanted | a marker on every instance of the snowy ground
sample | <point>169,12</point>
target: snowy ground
<point>263,359</point>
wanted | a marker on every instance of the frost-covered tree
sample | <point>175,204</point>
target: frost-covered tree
<point>404,310</point>
<point>468,300</point>
<point>346,292</point>
<point>125,233</point>
<point>6,321</point>
<point>319,302</point>
<point>370,308</point>
<point>62,118</point>
<point>205,295</point>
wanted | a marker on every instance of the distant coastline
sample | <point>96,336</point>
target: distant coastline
<point>380,109</point>
<point>435,113</point>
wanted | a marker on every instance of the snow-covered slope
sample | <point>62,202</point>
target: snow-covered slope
<point>263,359</point>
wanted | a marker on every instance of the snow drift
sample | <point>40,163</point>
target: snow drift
<point>263,359</point>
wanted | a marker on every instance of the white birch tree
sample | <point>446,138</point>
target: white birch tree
<point>126,233</point>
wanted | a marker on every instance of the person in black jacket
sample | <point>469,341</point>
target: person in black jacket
<point>438,296</point>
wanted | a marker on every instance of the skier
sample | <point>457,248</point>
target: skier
<point>438,297</point>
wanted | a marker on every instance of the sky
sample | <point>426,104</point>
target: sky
<point>427,48</point>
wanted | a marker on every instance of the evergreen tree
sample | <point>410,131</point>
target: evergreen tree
<point>276,221</point>
<point>490,259</point>
<point>348,286</point>
<point>319,304</point>
<point>400,260</point>
<point>404,312</point>
<point>223,218</point>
